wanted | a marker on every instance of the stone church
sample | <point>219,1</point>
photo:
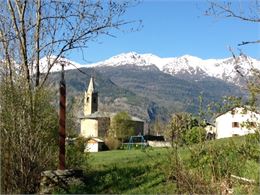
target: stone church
<point>95,123</point>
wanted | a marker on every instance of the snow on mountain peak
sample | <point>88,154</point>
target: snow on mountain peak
<point>130,58</point>
<point>46,61</point>
<point>224,69</point>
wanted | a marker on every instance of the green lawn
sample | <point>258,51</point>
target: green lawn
<point>129,171</point>
<point>145,171</point>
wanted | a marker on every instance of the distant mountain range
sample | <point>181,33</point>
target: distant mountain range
<point>224,69</point>
<point>149,86</point>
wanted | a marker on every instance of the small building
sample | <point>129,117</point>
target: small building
<point>94,145</point>
<point>236,122</point>
<point>210,131</point>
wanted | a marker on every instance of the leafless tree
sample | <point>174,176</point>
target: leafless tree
<point>29,31</point>
<point>246,11</point>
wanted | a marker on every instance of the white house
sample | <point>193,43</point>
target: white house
<point>237,121</point>
<point>94,145</point>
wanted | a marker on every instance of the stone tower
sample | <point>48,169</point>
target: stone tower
<point>91,98</point>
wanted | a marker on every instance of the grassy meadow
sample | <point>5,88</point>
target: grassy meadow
<point>129,171</point>
<point>146,171</point>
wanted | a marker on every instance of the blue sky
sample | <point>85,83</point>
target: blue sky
<point>175,28</point>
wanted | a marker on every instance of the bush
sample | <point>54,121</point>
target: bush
<point>194,135</point>
<point>112,143</point>
<point>251,148</point>
<point>76,158</point>
<point>218,160</point>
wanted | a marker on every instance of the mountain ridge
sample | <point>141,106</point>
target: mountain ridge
<point>225,69</point>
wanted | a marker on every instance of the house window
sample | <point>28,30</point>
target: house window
<point>87,99</point>
<point>235,124</point>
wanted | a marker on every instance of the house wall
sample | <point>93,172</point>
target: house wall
<point>92,147</point>
<point>89,127</point>
<point>224,127</point>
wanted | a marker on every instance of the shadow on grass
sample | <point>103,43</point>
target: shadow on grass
<point>114,180</point>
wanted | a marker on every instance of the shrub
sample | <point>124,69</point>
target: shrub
<point>218,160</point>
<point>28,126</point>
<point>251,148</point>
<point>194,135</point>
<point>112,143</point>
<point>76,158</point>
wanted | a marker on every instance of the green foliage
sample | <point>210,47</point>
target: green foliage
<point>251,147</point>
<point>194,135</point>
<point>187,180</point>
<point>121,126</point>
<point>76,158</point>
<point>207,166</point>
<point>180,126</point>
<point>219,160</point>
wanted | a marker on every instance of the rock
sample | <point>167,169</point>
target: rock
<point>52,180</point>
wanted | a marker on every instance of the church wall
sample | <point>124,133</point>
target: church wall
<point>103,126</point>
<point>89,127</point>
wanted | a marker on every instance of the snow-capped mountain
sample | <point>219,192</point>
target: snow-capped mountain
<point>224,69</point>
<point>191,66</point>
<point>69,65</point>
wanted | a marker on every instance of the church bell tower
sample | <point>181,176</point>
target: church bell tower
<point>91,98</point>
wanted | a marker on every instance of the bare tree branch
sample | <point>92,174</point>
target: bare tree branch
<point>227,11</point>
<point>248,12</point>
<point>248,42</point>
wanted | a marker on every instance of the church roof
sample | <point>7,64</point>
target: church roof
<point>95,139</point>
<point>133,118</point>
<point>98,114</point>
<point>136,119</point>
<point>91,86</point>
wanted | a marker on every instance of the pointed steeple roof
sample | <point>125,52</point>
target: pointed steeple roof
<point>91,86</point>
